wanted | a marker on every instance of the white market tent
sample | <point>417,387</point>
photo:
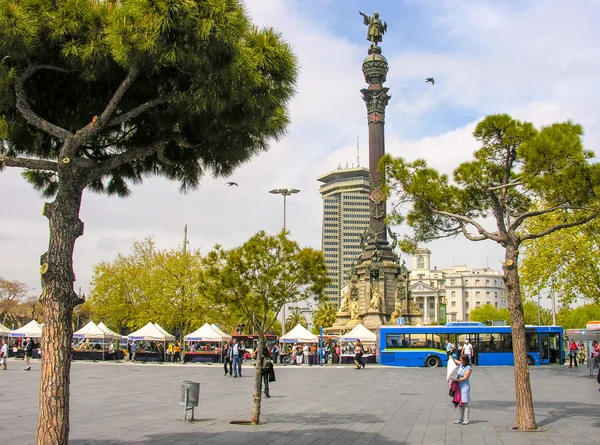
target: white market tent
<point>169,337</point>
<point>360,333</point>
<point>205,333</point>
<point>151,333</point>
<point>4,331</point>
<point>299,335</point>
<point>106,329</point>
<point>220,331</point>
<point>92,330</point>
<point>32,329</point>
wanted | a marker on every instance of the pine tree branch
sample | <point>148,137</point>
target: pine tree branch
<point>25,109</point>
<point>560,227</point>
<point>32,164</point>
<point>131,114</point>
<point>132,154</point>
<point>466,220</point>
<point>98,123</point>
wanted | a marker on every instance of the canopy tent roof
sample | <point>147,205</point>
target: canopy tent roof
<point>31,329</point>
<point>360,333</point>
<point>220,331</point>
<point>205,333</point>
<point>92,330</point>
<point>4,331</point>
<point>160,328</point>
<point>299,335</point>
<point>152,333</point>
<point>106,329</point>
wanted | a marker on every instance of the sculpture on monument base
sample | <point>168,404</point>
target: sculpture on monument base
<point>375,299</point>
<point>354,310</point>
<point>345,301</point>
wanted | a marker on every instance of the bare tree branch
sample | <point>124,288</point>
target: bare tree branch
<point>25,109</point>
<point>132,154</point>
<point>510,184</point>
<point>470,237</point>
<point>32,164</point>
<point>118,120</point>
<point>560,227</point>
<point>466,220</point>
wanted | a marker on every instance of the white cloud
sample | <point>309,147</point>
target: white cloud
<point>539,62</point>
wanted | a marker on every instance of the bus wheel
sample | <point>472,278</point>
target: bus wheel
<point>433,362</point>
<point>530,361</point>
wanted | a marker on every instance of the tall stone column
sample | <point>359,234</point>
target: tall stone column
<point>375,68</point>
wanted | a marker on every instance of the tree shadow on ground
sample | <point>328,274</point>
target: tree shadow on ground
<point>250,435</point>
<point>550,412</point>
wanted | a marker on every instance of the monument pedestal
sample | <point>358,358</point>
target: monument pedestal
<point>373,319</point>
<point>341,320</point>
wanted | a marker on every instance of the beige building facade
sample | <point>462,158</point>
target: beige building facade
<point>461,289</point>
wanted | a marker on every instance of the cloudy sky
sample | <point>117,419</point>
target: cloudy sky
<point>536,60</point>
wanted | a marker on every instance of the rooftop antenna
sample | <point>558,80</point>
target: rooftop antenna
<point>357,152</point>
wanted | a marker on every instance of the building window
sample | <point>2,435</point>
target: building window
<point>466,305</point>
<point>494,282</point>
<point>466,282</point>
<point>466,294</point>
<point>477,293</point>
<point>431,306</point>
<point>420,262</point>
<point>421,276</point>
<point>496,304</point>
<point>476,282</point>
<point>453,304</point>
<point>487,282</point>
<point>453,294</point>
<point>487,294</point>
<point>477,304</point>
<point>452,282</point>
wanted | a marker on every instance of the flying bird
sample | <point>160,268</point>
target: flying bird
<point>232,183</point>
<point>430,79</point>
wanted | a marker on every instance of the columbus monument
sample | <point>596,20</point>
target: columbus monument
<point>377,292</point>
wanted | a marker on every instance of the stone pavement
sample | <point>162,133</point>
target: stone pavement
<point>126,404</point>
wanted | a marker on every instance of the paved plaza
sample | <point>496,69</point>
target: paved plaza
<point>123,404</point>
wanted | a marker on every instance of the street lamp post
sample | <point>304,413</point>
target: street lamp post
<point>285,193</point>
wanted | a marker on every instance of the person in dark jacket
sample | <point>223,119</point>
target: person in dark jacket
<point>227,359</point>
<point>267,370</point>
<point>28,354</point>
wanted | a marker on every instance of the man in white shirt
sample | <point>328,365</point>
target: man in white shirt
<point>468,350</point>
<point>3,354</point>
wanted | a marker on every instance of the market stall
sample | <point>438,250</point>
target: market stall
<point>31,330</point>
<point>366,337</point>
<point>301,336</point>
<point>96,349</point>
<point>204,344</point>
<point>151,333</point>
<point>4,331</point>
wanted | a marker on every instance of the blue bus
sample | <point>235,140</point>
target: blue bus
<point>492,345</point>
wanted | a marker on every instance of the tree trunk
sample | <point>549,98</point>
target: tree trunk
<point>58,300</point>
<point>524,398</point>
<point>258,380</point>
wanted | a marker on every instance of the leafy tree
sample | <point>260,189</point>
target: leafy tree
<point>323,316</point>
<point>12,293</point>
<point>294,319</point>
<point>535,314</point>
<point>488,313</point>
<point>519,173</point>
<point>578,317</point>
<point>98,94</point>
<point>261,276</point>
<point>565,263</point>
<point>160,286</point>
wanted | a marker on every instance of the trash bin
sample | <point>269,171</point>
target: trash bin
<point>193,390</point>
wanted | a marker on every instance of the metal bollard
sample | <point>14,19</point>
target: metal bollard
<point>190,393</point>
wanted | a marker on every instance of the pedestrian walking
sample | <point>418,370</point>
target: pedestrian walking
<point>133,350</point>
<point>28,354</point>
<point>274,352</point>
<point>467,350</point>
<point>227,358</point>
<point>266,370</point>
<point>3,354</point>
<point>572,354</point>
<point>358,353</point>
<point>234,357</point>
<point>449,348</point>
<point>462,379</point>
